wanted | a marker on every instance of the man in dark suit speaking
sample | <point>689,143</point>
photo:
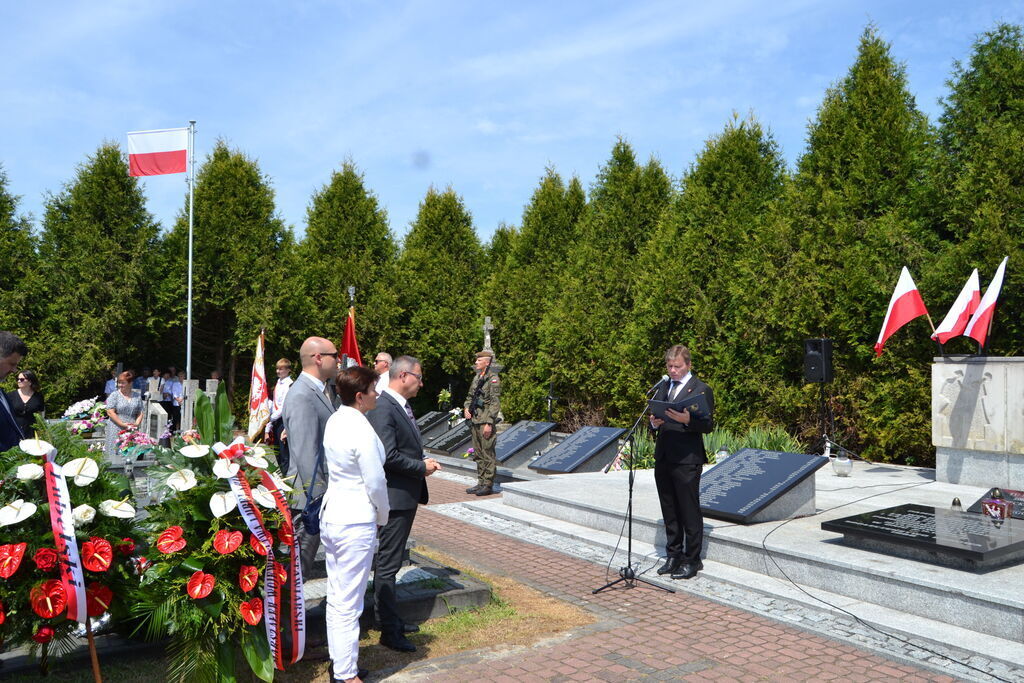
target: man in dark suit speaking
<point>406,470</point>
<point>679,457</point>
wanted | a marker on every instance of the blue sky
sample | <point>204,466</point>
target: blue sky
<point>479,96</point>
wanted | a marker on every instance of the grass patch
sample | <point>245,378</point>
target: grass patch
<point>517,615</point>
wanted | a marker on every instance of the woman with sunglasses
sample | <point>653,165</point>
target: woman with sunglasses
<point>26,402</point>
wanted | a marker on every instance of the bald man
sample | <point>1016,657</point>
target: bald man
<point>305,415</point>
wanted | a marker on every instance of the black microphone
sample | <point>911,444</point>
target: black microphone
<point>664,378</point>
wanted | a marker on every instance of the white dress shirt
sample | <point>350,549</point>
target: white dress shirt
<point>382,383</point>
<point>357,491</point>
<point>280,391</point>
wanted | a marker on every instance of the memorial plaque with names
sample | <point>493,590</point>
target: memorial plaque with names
<point>587,450</point>
<point>964,540</point>
<point>453,442</point>
<point>432,424</point>
<point>525,435</point>
<point>745,483</point>
<point>1010,496</point>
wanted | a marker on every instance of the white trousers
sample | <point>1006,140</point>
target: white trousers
<point>349,549</point>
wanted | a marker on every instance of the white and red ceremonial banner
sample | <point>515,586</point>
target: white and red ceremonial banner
<point>905,305</point>
<point>259,397</point>
<point>955,322</point>
<point>981,322</point>
<point>349,345</point>
<point>69,565</point>
<point>157,152</point>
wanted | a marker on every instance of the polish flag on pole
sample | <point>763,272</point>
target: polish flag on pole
<point>981,322</point>
<point>157,152</point>
<point>961,311</point>
<point>905,305</point>
<point>349,345</point>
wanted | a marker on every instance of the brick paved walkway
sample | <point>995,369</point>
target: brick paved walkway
<point>640,633</point>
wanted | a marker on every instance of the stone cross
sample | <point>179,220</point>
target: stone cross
<point>487,332</point>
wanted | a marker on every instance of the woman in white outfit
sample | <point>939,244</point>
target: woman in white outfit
<point>355,504</point>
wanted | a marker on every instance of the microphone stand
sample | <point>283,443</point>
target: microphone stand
<point>627,574</point>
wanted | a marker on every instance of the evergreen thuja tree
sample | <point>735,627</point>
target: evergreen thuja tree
<point>19,277</point>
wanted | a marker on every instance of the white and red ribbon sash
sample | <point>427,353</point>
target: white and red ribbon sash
<point>297,601</point>
<point>254,521</point>
<point>63,525</point>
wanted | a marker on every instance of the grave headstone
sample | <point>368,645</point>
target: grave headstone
<point>188,405</point>
<point>211,388</point>
<point>588,449</point>
<point>156,419</point>
<point>952,538</point>
<point>755,485</point>
<point>522,442</point>
<point>432,424</point>
<point>454,442</point>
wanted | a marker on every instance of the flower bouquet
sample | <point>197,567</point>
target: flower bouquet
<point>54,490</point>
<point>85,416</point>
<point>218,584</point>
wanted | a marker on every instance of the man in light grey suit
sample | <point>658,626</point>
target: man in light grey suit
<point>305,415</point>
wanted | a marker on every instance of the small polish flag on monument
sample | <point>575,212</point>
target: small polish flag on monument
<point>905,305</point>
<point>981,322</point>
<point>961,311</point>
<point>157,152</point>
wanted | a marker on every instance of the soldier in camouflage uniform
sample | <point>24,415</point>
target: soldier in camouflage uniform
<point>483,403</point>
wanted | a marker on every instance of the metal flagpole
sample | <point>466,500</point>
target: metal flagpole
<point>191,192</point>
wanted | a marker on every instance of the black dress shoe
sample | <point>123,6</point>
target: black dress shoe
<point>671,565</point>
<point>473,489</point>
<point>688,571</point>
<point>484,491</point>
<point>397,641</point>
<point>410,628</point>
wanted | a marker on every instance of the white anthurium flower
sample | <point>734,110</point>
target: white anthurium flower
<point>195,451</point>
<point>262,495</point>
<point>36,447</point>
<point>223,503</point>
<point>280,482</point>
<point>83,514</point>
<point>225,469</point>
<point>16,511</point>
<point>255,458</point>
<point>84,470</point>
<point>182,480</point>
<point>117,508</point>
<point>29,472</point>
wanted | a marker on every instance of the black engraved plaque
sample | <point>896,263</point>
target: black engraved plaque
<point>432,424</point>
<point>453,442</point>
<point>949,537</point>
<point>745,483</point>
<point>587,450</point>
<point>520,436</point>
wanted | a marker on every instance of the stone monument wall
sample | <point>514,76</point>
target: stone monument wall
<point>978,420</point>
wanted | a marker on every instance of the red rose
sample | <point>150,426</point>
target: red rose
<point>286,535</point>
<point>257,546</point>
<point>10,558</point>
<point>252,611</point>
<point>43,635</point>
<point>126,546</point>
<point>225,541</point>
<point>248,577</point>
<point>48,599</point>
<point>45,559</point>
<point>200,585</point>
<point>98,598</point>
<point>170,540</point>
<point>97,554</point>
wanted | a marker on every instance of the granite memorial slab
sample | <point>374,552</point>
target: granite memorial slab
<point>952,538</point>
<point>522,442</point>
<point>432,424</point>
<point>587,450</point>
<point>454,442</point>
<point>755,485</point>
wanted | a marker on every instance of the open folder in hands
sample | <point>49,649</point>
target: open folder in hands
<point>697,404</point>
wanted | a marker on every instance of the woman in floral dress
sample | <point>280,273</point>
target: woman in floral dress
<point>124,408</point>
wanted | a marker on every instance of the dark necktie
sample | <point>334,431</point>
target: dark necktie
<point>412,418</point>
<point>672,388</point>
